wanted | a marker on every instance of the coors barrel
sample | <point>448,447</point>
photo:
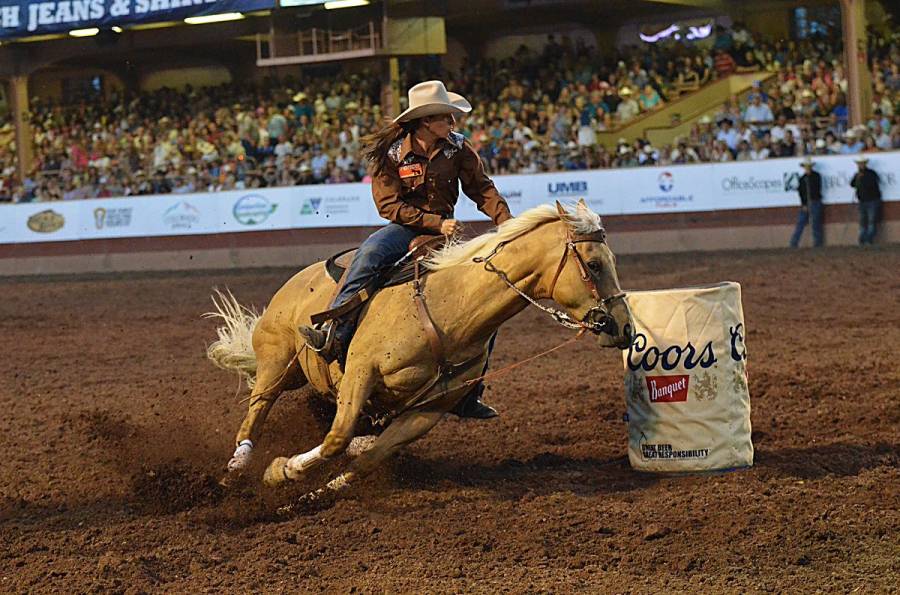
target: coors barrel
<point>686,380</point>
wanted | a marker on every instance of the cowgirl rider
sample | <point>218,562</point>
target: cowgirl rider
<point>418,163</point>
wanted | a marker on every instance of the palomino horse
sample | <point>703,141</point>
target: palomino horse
<point>471,289</point>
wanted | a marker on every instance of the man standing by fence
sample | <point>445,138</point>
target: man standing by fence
<point>811,209</point>
<point>868,196</point>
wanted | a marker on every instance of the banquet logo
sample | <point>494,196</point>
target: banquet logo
<point>668,389</point>
<point>666,181</point>
<point>104,218</point>
<point>181,215</point>
<point>252,209</point>
<point>46,221</point>
<point>567,188</point>
<point>311,206</point>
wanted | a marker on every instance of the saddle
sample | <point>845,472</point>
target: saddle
<point>402,271</point>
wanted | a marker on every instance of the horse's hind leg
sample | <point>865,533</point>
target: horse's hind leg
<point>276,371</point>
<point>407,428</point>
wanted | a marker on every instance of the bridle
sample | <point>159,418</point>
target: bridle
<point>597,319</point>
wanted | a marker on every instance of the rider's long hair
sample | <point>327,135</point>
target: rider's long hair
<point>376,145</point>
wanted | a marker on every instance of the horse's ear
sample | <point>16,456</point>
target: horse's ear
<point>581,203</point>
<point>560,209</point>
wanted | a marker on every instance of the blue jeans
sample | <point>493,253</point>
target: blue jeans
<point>812,215</point>
<point>380,250</point>
<point>868,219</point>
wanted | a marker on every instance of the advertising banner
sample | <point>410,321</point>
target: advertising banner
<point>25,18</point>
<point>643,190</point>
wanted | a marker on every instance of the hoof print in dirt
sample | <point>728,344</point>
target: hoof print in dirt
<point>172,488</point>
<point>234,481</point>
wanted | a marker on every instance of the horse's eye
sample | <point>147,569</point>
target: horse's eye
<point>595,266</point>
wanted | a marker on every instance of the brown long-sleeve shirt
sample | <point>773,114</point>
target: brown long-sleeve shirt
<point>421,190</point>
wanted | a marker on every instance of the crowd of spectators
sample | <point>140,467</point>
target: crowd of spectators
<point>533,112</point>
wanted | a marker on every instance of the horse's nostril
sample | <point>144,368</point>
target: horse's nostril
<point>626,331</point>
<point>610,326</point>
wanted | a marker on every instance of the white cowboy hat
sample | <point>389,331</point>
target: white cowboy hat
<point>861,159</point>
<point>807,162</point>
<point>430,99</point>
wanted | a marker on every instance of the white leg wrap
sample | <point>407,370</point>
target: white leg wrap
<point>359,445</point>
<point>241,456</point>
<point>296,465</point>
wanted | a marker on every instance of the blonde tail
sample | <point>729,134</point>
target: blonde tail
<point>234,348</point>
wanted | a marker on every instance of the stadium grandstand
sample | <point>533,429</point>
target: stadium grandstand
<point>156,98</point>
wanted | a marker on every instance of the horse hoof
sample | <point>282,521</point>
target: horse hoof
<point>241,457</point>
<point>276,474</point>
<point>236,464</point>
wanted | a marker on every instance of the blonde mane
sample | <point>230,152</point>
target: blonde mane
<point>579,218</point>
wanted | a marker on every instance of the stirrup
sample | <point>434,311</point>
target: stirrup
<point>312,335</point>
<point>332,349</point>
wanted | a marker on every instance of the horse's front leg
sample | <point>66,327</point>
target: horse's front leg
<point>356,387</point>
<point>408,427</point>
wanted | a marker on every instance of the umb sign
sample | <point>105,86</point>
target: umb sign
<point>24,18</point>
<point>686,381</point>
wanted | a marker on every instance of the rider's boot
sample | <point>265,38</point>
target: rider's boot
<point>323,340</point>
<point>471,405</point>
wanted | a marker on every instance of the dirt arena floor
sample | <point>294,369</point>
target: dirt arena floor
<point>116,427</point>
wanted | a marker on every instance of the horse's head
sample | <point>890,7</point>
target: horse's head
<point>585,281</point>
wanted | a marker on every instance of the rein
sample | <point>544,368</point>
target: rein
<point>596,320</point>
<point>562,318</point>
<point>447,370</point>
<point>498,372</point>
